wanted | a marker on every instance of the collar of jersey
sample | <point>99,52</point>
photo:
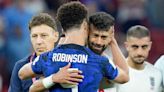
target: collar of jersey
<point>73,46</point>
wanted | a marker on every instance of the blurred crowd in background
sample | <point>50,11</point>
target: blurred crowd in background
<point>15,15</point>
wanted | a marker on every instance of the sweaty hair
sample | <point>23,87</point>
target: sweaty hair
<point>138,31</point>
<point>43,18</point>
<point>101,21</point>
<point>71,15</point>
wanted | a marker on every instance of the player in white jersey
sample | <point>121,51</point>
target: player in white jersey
<point>145,80</point>
<point>143,76</point>
<point>101,37</point>
<point>159,65</point>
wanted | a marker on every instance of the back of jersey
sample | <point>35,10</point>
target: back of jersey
<point>94,67</point>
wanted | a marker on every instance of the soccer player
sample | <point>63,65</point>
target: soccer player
<point>44,35</point>
<point>159,65</point>
<point>101,37</point>
<point>73,20</point>
<point>143,76</point>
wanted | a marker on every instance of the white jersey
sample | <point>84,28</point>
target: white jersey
<point>160,65</point>
<point>105,83</point>
<point>147,80</point>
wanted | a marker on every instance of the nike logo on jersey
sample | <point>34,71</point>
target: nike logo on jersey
<point>75,58</point>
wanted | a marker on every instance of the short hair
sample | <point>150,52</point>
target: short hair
<point>101,21</point>
<point>71,15</point>
<point>138,31</point>
<point>43,18</point>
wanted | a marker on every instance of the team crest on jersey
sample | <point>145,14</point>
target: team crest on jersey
<point>152,82</point>
<point>76,58</point>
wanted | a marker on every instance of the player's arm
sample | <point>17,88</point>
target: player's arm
<point>122,77</point>
<point>62,76</point>
<point>37,86</point>
<point>119,61</point>
<point>26,72</point>
<point>30,70</point>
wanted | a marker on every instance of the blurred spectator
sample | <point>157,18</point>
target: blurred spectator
<point>53,5</point>
<point>155,12</point>
<point>3,59</point>
<point>92,5</point>
<point>4,3</point>
<point>109,6</point>
<point>2,37</point>
<point>17,17</point>
<point>130,13</point>
<point>1,81</point>
<point>34,6</point>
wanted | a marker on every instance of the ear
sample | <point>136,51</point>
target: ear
<point>126,45</point>
<point>56,36</point>
<point>112,28</point>
<point>150,44</point>
<point>85,25</point>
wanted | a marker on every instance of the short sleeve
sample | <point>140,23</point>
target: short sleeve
<point>109,71</point>
<point>37,65</point>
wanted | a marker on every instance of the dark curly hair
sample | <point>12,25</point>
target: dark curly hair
<point>101,21</point>
<point>71,15</point>
<point>42,18</point>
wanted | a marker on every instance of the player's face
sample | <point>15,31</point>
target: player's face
<point>138,49</point>
<point>43,38</point>
<point>98,40</point>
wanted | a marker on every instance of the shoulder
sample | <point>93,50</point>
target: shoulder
<point>99,57</point>
<point>23,61</point>
<point>151,68</point>
<point>162,57</point>
<point>154,72</point>
<point>160,60</point>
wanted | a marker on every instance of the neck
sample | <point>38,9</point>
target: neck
<point>75,37</point>
<point>135,65</point>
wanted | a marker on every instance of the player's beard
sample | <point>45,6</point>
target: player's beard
<point>98,49</point>
<point>138,59</point>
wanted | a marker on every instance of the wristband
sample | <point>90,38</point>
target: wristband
<point>71,69</point>
<point>48,82</point>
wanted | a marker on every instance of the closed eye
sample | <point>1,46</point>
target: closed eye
<point>103,37</point>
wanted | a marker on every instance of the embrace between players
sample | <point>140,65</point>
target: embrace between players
<point>85,39</point>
